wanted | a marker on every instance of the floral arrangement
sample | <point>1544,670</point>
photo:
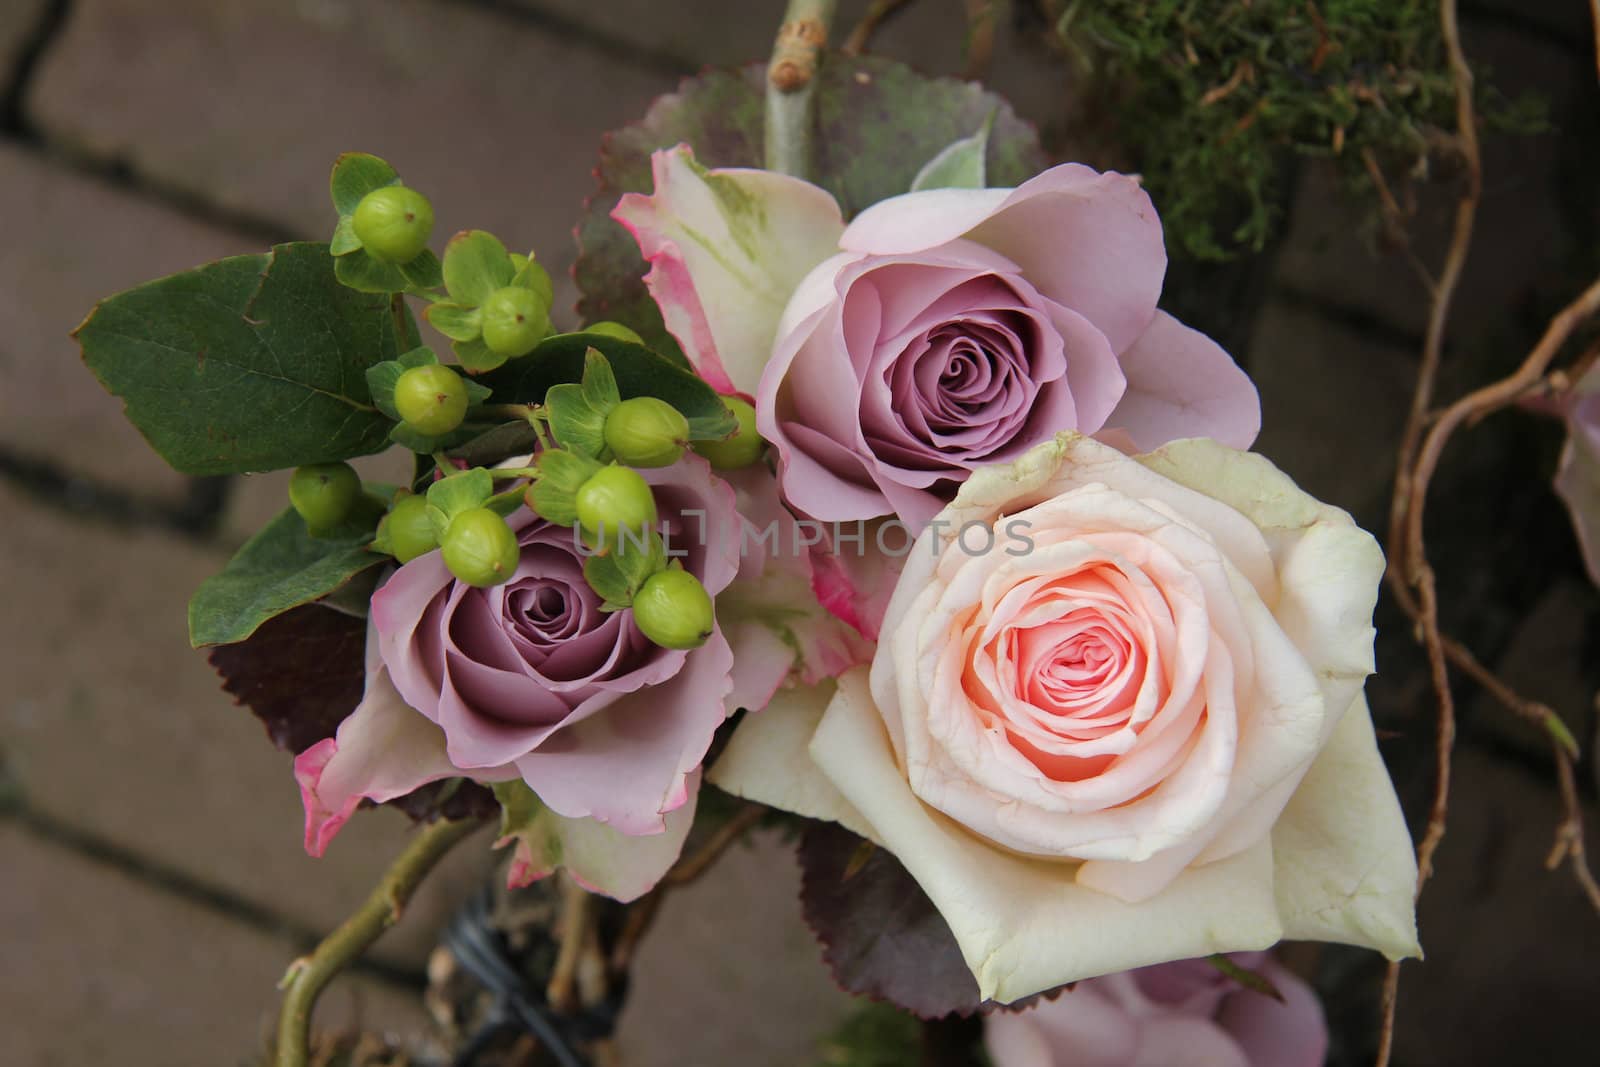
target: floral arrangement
<point>874,498</point>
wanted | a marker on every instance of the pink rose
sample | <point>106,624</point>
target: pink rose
<point>1115,719</point>
<point>940,331</point>
<point>1183,1014</point>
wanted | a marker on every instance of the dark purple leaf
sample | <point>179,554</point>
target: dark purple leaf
<point>301,673</point>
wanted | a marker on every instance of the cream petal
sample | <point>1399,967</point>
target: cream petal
<point>1021,924</point>
<point>727,249</point>
<point>764,761</point>
<point>1342,856</point>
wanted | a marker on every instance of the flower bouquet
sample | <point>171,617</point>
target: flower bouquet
<point>874,498</point>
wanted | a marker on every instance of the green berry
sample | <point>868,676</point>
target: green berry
<point>614,329</point>
<point>674,610</point>
<point>740,450</point>
<point>616,507</point>
<point>325,494</point>
<point>394,223</point>
<point>432,399</point>
<point>514,321</point>
<point>410,531</point>
<point>480,549</point>
<point>646,432</point>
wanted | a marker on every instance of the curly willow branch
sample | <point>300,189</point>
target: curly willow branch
<point>1410,575</point>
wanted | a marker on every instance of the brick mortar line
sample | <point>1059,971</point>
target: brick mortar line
<point>44,33</point>
<point>197,516</point>
<point>176,883</point>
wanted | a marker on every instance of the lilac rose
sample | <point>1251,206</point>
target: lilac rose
<point>1183,1014</point>
<point>532,680</point>
<point>940,331</point>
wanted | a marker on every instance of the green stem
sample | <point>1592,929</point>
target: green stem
<point>791,77</point>
<point>402,330</point>
<point>308,975</point>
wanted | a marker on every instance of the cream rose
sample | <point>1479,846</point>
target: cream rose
<point>1116,719</point>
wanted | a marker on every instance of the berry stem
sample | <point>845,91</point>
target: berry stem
<point>309,975</point>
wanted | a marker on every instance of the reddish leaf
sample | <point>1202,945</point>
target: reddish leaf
<point>881,935</point>
<point>878,122</point>
<point>301,673</point>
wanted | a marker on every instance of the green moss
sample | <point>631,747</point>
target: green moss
<point>875,1035</point>
<point>1216,98</point>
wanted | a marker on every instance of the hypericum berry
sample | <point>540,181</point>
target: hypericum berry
<point>740,450</point>
<point>432,399</point>
<point>674,610</point>
<point>480,549</point>
<point>614,329</point>
<point>325,494</point>
<point>394,223</point>
<point>616,507</point>
<point>646,432</point>
<point>410,531</point>
<point>514,321</point>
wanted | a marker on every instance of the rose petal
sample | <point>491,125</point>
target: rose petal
<point>1021,925</point>
<point>727,249</point>
<point>597,857</point>
<point>1291,1033</point>
<point>1182,384</point>
<point>1090,241</point>
<point>384,749</point>
<point>1344,866</point>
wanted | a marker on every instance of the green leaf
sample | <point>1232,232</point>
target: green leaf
<point>280,568</point>
<point>457,493</point>
<point>251,363</point>
<point>477,357</point>
<point>877,121</point>
<point>637,372</point>
<point>599,384</point>
<point>475,265</point>
<point>532,275</point>
<point>554,496</point>
<point>577,424</point>
<point>455,321</point>
<point>344,240</point>
<point>617,575</point>
<point>362,271</point>
<point>960,165</point>
<point>355,174</point>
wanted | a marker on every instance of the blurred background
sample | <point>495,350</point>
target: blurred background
<point>152,882</point>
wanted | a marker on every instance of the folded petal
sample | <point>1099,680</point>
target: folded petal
<point>727,248</point>
<point>384,749</point>
<point>1182,384</point>
<point>597,857</point>
<point>1022,925</point>
<point>1342,856</point>
<point>631,765</point>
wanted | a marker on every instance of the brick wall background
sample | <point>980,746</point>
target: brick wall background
<point>152,884</point>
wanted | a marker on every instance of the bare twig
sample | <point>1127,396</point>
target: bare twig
<point>309,975</point>
<point>1569,835</point>
<point>879,13</point>
<point>980,38</point>
<point>1411,567</point>
<point>790,77</point>
<point>576,923</point>
<point>692,867</point>
<point>1594,15</point>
